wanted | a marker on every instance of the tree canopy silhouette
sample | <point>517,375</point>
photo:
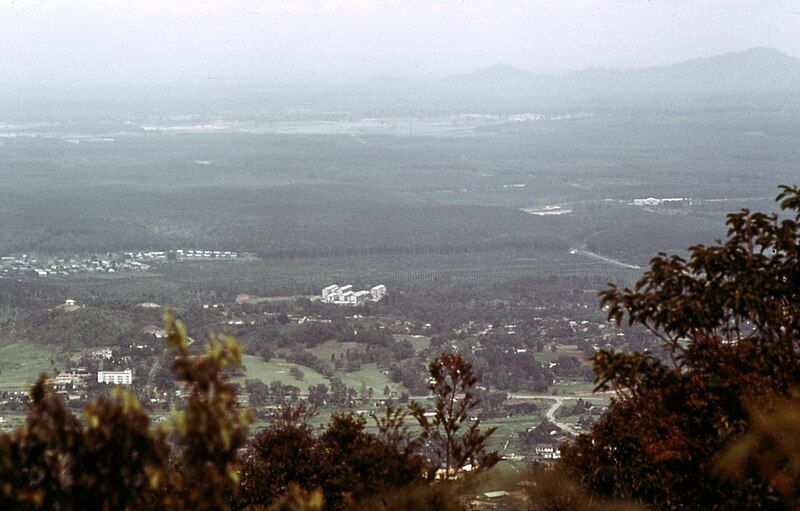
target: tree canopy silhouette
<point>728,317</point>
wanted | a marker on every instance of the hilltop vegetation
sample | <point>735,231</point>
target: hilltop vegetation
<point>728,316</point>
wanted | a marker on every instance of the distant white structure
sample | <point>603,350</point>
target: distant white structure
<point>105,353</point>
<point>69,303</point>
<point>76,378</point>
<point>344,295</point>
<point>652,201</point>
<point>328,292</point>
<point>116,377</point>
<point>359,298</point>
<point>377,292</point>
<point>547,451</point>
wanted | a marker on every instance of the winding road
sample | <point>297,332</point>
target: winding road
<point>558,402</point>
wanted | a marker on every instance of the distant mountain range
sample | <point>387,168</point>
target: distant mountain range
<point>758,77</point>
<point>754,71</point>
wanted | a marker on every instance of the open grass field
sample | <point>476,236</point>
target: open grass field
<point>419,342</point>
<point>563,350</point>
<point>573,388</point>
<point>371,376</point>
<point>326,349</point>
<point>21,362</point>
<point>505,438</point>
<point>277,369</point>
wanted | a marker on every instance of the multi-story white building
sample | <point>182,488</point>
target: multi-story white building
<point>116,377</point>
<point>345,295</point>
<point>359,298</point>
<point>377,292</point>
<point>328,292</point>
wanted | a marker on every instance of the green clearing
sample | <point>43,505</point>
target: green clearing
<point>571,389</point>
<point>21,362</point>
<point>562,350</point>
<point>325,350</point>
<point>277,369</point>
<point>371,376</point>
<point>507,428</point>
<point>419,342</point>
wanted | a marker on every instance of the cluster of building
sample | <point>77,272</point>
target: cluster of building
<point>58,266</point>
<point>80,377</point>
<point>205,254</point>
<point>107,263</point>
<point>345,295</point>
<point>670,201</point>
<point>180,254</point>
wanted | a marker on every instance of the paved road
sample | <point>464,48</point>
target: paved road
<point>558,402</point>
<point>582,251</point>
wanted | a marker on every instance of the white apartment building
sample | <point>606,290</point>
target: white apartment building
<point>328,292</point>
<point>116,377</point>
<point>345,295</point>
<point>377,292</point>
<point>359,298</point>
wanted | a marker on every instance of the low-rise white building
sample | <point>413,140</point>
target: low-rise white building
<point>76,378</point>
<point>116,377</point>
<point>547,451</point>
<point>105,353</point>
<point>650,201</point>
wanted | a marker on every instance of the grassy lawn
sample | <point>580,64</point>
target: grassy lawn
<point>420,342</point>
<point>370,375</point>
<point>571,388</point>
<point>21,362</point>
<point>563,350</point>
<point>507,428</point>
<point>278,369</point>
<point>325,350</point>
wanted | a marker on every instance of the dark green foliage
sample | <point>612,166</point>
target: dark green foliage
<point>729,319</point>
<point>345,461</point>
<point>282,454</point>
<point>114,459</point>
<point>549,490</point>
<point>211,427</point>
<point>453,444</point>
<point>771,446</point>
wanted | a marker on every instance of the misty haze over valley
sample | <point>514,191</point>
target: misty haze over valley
<point>358,191</point>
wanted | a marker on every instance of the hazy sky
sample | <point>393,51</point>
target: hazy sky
<point>132,41</point>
